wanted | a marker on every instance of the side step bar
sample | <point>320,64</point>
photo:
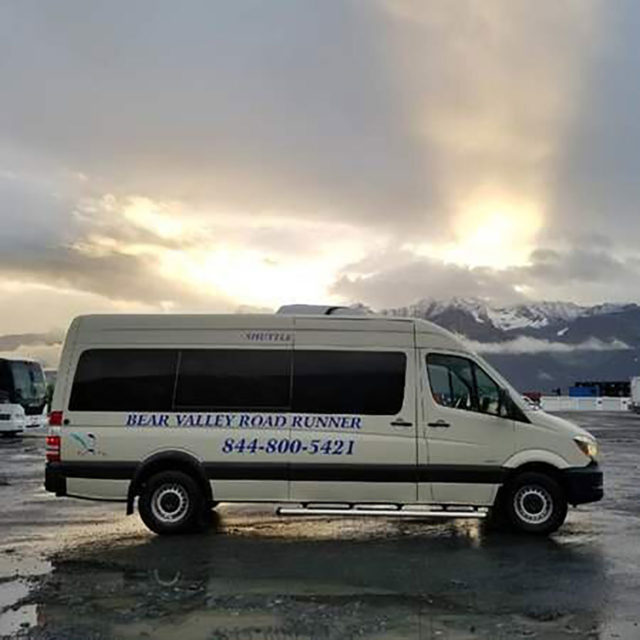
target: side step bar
<point>387,513</point>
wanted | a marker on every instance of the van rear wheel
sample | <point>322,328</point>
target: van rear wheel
<point>535,503</point>
<point>171,502</point>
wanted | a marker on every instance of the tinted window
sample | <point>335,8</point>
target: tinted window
<point>351,382</point>
<point>6,382</point>
<point>233,379</point>
<point>124,380</point>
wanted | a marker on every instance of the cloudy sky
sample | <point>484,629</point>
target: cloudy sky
<point>211,156</point>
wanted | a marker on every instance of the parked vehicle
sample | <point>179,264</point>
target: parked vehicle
<point>634,405</point>
<point>326,414</point>
<point>22,396</point>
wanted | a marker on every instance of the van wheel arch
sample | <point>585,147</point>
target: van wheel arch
<point>500,505</point>
<point>538,467</point>
<point>168,461</point>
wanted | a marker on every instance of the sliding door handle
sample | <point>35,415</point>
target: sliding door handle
<point>399,422</point>
<point>442,424</point>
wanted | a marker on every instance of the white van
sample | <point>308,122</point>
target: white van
<point>327,414</point>
<point>23,398</point>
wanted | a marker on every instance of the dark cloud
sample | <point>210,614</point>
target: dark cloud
<point>595,186</point>
<point>111,274</point>
<point>254,105</point>
<point>393,279</point>
<point>585,275</point>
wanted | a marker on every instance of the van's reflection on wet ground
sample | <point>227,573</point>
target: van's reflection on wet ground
<point>328,579</point>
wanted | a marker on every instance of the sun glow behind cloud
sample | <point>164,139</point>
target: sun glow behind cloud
<point>261,261</point>
<point>488,231</point>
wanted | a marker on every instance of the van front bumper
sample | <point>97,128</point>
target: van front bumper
<point>54,479</point>
<point>584,484</point>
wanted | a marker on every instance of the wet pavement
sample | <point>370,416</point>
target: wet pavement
<point>72,569</point>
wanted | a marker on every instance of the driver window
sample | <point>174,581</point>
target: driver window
<point>459,383</point>
<point>451,380</point>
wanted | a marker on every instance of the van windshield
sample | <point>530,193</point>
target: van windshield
<point>28,382</point>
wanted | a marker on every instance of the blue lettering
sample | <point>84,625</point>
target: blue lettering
<point>180,419</point>
<point>357,423</point>
<point>322,421</point>
<point>256,421</point>
<point>160,420</point>
<point>334,422</point>
<point>244,420</point>
<point>132,420</point>
<point>229,419</point>
<point>295,422</point>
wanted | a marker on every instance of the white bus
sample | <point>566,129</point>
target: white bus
<point>321,414</point>
<point>22,396</point>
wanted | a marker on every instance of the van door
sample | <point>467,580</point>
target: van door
<point>468,431</point>
<point>353,427</point>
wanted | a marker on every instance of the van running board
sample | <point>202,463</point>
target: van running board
<point>359,511</point>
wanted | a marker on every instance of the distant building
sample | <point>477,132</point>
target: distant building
<point>601,389</point>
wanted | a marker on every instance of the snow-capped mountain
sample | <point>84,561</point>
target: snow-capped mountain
<point>543,345</point>
<point>479,320</point>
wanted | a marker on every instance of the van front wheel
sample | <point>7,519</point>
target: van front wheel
<point>535,503</point>
<point>171,502</point>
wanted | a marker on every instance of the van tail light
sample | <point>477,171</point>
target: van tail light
<point>53,448</point>
<point>55,419</point>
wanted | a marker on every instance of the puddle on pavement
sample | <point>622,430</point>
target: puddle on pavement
<point>13,619</point>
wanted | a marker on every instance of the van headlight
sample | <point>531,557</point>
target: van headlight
<point>588,447</point>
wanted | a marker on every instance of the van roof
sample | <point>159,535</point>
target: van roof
<point>265,322</point>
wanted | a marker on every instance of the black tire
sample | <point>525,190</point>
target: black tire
<point>535,503</point>
<point>171,502</point>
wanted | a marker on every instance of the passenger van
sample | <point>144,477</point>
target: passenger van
<point>22,396</point>
<point>322,414</point>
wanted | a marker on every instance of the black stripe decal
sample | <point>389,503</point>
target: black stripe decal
<point>467,474</point>
<point>97,470</point>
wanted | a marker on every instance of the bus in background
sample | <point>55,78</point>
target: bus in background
<point>23,396</point>
<point>635,394</point>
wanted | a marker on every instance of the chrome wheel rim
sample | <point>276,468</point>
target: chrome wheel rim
<point>170,503</point>
<point>533,504</point>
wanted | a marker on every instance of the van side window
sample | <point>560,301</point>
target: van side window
<point>347,382</point>
<point>459,383</point>
<point>233,379</point>
<point>451,380</point>
<point>124,380</point>
<point>350,382</point>
<point>488,394</point>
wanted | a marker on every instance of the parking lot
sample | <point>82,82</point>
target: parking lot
<point>76,569</point>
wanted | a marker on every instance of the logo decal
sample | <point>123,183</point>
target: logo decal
<point>88,444</point>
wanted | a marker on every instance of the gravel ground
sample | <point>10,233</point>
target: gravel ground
<point>72,569</point>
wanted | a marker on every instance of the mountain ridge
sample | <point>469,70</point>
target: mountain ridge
<point>543,345</point>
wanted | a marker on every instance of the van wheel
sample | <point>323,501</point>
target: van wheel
<point>171,502</point>
<point>535,503</point>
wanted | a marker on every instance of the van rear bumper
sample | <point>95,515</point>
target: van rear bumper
<point>584,484</point>
<point>54,479</point>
